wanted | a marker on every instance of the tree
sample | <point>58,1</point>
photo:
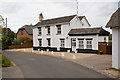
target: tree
<point>7,39</point>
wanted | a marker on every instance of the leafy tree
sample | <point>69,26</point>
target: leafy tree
<point>10,33</point>
<point>7,39</point>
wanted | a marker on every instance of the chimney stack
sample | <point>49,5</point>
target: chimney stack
<point>40,17</point>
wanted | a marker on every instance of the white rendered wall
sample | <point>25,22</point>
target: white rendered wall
<point>35,37</point>
<point>94,41</point>
<point>55,39</point>
<point>86,24</point>
<point>75,23</point>
<point>101,38</point>
<point>116,48</point>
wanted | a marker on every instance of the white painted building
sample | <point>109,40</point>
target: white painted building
<point>59,34</point>
<point>114,24</point>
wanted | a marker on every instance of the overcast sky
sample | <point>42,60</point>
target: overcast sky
<point>25,12</point>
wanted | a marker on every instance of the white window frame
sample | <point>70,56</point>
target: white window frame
<point>39,31</point>
<point>81,46</point>
<point>48,30</point>
<point>58,29</point>
<point>40,42</point>
<point>49,40</point>
<point>73,42</point>
<point>62,43</point>
<point>89,44</point>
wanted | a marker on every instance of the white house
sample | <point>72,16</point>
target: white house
<point>114,24</point>
<point>68,33</point>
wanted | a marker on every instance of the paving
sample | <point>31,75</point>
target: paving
<point>43,66</point>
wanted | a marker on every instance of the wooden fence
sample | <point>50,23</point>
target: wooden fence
<point>25,45</point>
<point>105,47</point>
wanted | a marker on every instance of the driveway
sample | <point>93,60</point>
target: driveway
<point>43,66</point>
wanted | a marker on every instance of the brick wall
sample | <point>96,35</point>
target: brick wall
<point>25,34</point>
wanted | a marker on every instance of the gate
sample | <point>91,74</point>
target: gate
<point>102,46</point>
<point>105,48</point>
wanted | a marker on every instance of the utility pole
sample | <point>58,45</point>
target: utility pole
<point>6,27</point>
<point>77,7</point>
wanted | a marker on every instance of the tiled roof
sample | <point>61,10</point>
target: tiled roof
<point>57,20</point>
<point>88,31</point>
<point>28,29</point>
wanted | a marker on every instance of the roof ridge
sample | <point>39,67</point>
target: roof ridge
<point>60,17</point>
<point>87,28</point>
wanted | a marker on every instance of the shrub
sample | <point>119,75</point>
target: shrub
<point>24,40</point>
<point>16,42</point>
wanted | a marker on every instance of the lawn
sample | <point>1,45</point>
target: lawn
<point>4,61</point>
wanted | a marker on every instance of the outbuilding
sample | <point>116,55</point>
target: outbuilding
<point>114,24</point>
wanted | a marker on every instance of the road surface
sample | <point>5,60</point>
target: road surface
<point>43,66</point>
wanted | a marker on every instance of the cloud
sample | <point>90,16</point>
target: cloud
<point>21,12</point>
<point>10,7</point>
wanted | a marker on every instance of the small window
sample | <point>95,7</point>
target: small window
<point>58,29</point>
<point>89,44</point>
<point>62,42</point>
<point>104,39</point>
<point>48,30</point>
<point>39,31</point>
<point>21,32</point>
<point>49,41</point>
<point>81,44</point>
<point>40,42</point>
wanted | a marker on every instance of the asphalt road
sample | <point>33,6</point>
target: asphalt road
<point>43,66</point>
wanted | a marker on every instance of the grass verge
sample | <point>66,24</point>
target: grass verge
<point>4,61</point>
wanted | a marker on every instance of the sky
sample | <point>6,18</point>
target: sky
<point>26,12</point>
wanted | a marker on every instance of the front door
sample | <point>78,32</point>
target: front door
<point>73,44</point>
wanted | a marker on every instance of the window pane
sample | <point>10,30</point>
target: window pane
<point>81,44</point>
<point>89,44</point>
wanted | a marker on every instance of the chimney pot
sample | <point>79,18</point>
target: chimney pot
<point>40,17</point>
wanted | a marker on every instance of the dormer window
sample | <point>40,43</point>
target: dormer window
<point>58,29</point>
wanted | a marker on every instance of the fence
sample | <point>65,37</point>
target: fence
<point>25,45</point>
<point>105,47</point>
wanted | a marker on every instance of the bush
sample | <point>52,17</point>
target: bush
<point>16,42</point>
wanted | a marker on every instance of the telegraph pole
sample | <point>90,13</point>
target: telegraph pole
<point>77,7</point>
<point>6,27</point>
